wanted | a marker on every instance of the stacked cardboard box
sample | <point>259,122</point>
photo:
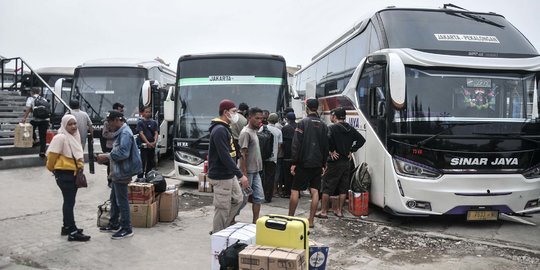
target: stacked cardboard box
<point>168,204</point>
<point>243,232</point>
<point>271,258</point>
<point>142,205</point>
<point>318,256</point>
<point>204,183</point>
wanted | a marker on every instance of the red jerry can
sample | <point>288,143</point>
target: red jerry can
<point>358,203</point>
<point>50,135</point>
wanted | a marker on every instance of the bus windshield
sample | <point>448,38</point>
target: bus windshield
<point>458,31</point>
<point>100,88</point>
<point>442,95</point>
<point>203,83</point>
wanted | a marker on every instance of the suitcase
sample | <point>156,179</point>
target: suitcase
<point>283,231</point>
<point>104,214</point>
<point>358,203</point>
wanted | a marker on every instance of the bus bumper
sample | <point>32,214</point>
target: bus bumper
<point>187,172</point>
<point>458,194</point>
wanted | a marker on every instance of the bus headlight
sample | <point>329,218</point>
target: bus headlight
<point>533,172</point>
<point>410,168</point>
<point>188,158</point>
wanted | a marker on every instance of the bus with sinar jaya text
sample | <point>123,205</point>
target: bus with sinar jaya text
<point>203,80</point>
<point>447,100</point>
<point>98,84</point>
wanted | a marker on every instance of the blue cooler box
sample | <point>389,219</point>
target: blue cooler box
<point>318,256</point>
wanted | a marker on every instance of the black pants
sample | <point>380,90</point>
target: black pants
<point>268,180</point>
<point>147,158</point>
<point>287,177</point>
<point>42,127</point>
<point>66,182</point>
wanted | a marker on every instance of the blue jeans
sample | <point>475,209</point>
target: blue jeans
<point>255,183</point>
<point>66,182</point>
<point>120,206</point>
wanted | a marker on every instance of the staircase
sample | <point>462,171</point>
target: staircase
<point>12,106</point>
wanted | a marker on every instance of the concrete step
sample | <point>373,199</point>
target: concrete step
<point>7,126</point>
<point>11,114</point>
<point>9,93</point>
<point>10,120</point>
<point>7,141</point>
<point>7,133</point>
<point>15,98</point>
<point>9,150</point>
<point>21,161</point>
<point>19,109</point>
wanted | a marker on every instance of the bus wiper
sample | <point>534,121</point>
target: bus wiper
<point>196,142</point>
<point>474,17</point>
<point>87,102</point>
<point>450,126</point>
<point>518,135</point>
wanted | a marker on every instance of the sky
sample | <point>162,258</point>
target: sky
<point>67,33</point>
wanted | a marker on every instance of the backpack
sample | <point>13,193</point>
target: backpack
<point>361,180</point>
<point>228,258</point>
<point>42,108</point>
<point>266,143</point>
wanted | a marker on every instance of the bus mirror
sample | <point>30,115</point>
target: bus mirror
<point>58,87</point>
<point>396,76</point>
<point>146,93</point>
<point>378,59</point>
<point>381,109</point>
<point>155,85</point>
<point>168,108</point>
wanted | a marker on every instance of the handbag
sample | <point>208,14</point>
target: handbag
<point>104,214</point>
<point>80,178</point>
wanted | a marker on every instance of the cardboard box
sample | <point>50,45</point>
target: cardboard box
<point>141,193</point>
<point>168,205</point>
<point>204,184</point>
<point>271,258</point>
<point>23,135</point>
<point>228,236</point>
<point>318,256</point>
<point>143,215</point>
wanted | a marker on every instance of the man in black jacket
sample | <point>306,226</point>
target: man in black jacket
<point>309,153</point>
<point>223,173</point>
<point>344,140</point>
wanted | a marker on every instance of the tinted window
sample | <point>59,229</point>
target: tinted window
<point>456,31</point>
<point>211,67</point>
<point>357,49</point>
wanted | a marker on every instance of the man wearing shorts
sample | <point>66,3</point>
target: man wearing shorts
<point>251,162</point>
<point>309,153</point>
<point>343,141</point>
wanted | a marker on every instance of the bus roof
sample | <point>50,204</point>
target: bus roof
<point>359,26</point>
<point>122,62</point>
<point>56,70</point>
<point>231,55</point>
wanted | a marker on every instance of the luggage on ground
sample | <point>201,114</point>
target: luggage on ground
<point>104,214</point>
<point>283,231</point>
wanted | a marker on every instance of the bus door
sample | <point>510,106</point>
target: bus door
<point>372,96</point>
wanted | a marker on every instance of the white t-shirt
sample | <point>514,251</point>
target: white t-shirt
<point>30,105</point>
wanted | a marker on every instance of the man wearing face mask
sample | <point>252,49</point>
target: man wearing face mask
<point>223,173</point>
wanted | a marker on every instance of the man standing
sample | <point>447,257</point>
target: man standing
<point>223,173</point>
<point>288,135</point>
<point>107,138</point>
<point>270,164</point>
<point>84,124</point>
<point>343,140</point>
<point>42,124</point>
<point>125,163</point>
<point>148,130</point>
<point>237,127</point>
<point>251,162</point>
<point>309,154</point>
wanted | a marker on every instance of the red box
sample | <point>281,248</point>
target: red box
<point>50,136</point>
<point>141,193</point>
<point>358,203</point>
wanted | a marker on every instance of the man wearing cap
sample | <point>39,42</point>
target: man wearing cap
<point>270,164</point>
<point>343,141</point>
<point>309,153</point>
<point>237,127</point>
<point>288,135</point>
<point>125,163</point>
<point>223,173</point>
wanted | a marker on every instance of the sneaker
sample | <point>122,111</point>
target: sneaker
<point>77,236</point>
<point>109,229</point>
<point>123,233</point>
<point>66,231</point>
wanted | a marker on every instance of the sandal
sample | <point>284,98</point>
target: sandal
<point>311,226</point>
<point>339,216</point>
<point>319,215</point>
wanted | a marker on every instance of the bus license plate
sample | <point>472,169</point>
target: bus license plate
<point>482,215</point>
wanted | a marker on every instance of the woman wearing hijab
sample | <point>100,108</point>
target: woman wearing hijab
<point>63,150</point>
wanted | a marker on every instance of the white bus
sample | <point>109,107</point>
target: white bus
<point>447,101</point>
<point>98,84</point>
<point>259,80</point>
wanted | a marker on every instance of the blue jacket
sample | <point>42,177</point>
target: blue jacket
<point>125,157</point>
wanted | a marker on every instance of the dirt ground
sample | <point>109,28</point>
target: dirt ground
<point>356,243</point>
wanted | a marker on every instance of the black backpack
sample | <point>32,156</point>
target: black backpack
<point>228,258</point>
<point>42,108</point>
<point>266,142</point>
<point>361,180</point>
